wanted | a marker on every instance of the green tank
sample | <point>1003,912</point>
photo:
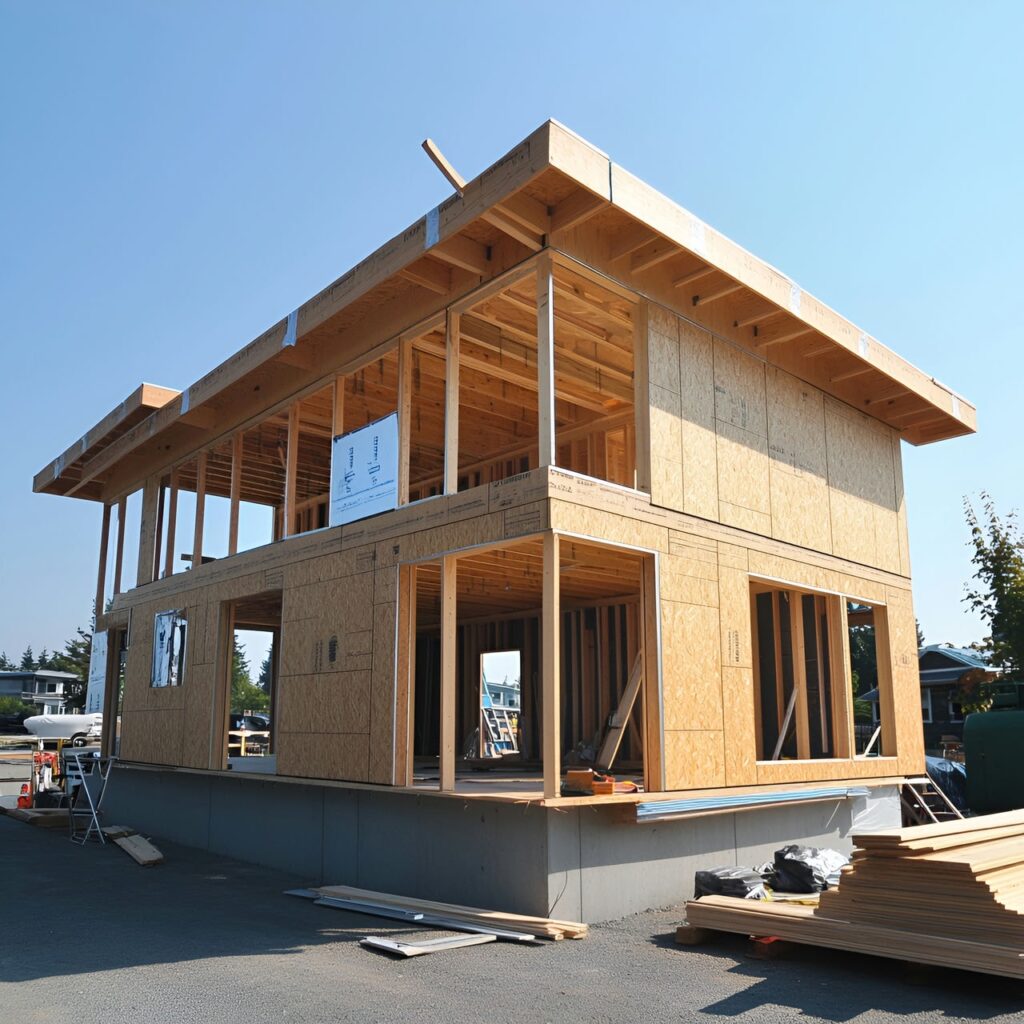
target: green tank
<point>993,745</point>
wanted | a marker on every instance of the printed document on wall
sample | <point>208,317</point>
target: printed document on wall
<point>364,471</point>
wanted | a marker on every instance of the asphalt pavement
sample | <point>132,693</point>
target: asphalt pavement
<point>86,935</point>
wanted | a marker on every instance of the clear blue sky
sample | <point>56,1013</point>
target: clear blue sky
<point>176,177</point>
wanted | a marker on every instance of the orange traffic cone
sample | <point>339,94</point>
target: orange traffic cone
<point>25,800</point>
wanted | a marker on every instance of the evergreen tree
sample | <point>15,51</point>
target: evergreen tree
<point>28,660</point>
<point>75,658</point>
<point>920,634</point>
<point>244,695</point>
<point>266,673</point>
<point>6,665</point>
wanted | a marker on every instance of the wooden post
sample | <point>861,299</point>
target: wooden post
<point>796,626</point>
<point>339,405</point>
<point>290,471</point>
<point>840,670</point>
<point>641,435</point>
<point>449,622</point>
<point>451,403</point>
<point>551,725</point>
<point>158,544</point>
<point>122,509</point>
<point>407,666</point>
<point>886,696</point>
<point>404,418</point>
<point>236,491</point>
<point>197,535</point>
<point>101,576</point>
<point>172,523</point>
<point>649,612</point>
<point>545,360</point>
<point>147,531</point>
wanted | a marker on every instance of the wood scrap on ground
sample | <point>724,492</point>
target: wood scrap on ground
<point>950,894</point>
<point>426,946</point>
<point>541,927</point>
<point>141,850</point>
<point>42,817</point>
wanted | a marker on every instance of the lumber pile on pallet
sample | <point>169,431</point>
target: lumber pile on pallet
<point>950,894</point>
<point>540,927</point>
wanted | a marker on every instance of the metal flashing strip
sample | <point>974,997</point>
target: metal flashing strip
<point>663,810</point>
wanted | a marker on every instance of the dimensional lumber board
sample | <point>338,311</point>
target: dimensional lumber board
<point>802,924</point>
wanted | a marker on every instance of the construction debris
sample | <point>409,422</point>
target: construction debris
<point>141,850</point>
<point>496,921</point>
<point>43,817</point>
<point>946,894</point>
<point>427,946</point>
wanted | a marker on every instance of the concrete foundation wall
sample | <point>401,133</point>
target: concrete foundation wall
<point>582,864</point>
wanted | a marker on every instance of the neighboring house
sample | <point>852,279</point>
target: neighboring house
<point>558,416</point>
<point>44,689</point>
<point>943,669</point>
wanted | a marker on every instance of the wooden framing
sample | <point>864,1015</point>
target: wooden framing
<point>551,397</point>
<point>545,362</point>
<point>550,669</point>
<point>101,574</point>
<point>448,683</point>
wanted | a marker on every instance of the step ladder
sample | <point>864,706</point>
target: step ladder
<point>500,730</point>
<point>924,803</point>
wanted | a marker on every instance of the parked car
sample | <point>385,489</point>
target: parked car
<point>13,724</point>
<point>79,729</point>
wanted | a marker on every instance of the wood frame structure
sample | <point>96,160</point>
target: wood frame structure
<point>570,355</point>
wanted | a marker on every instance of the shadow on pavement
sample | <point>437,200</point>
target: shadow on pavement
<point>840,986</point>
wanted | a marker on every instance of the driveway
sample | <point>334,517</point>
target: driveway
<point>87,935</point>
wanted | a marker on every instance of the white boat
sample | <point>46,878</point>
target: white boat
<point>78,728</point>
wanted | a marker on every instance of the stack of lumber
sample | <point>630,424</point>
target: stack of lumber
<point>541,927</point>
<point>951,894</point>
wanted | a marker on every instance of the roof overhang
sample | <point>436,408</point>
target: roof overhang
<point>551,190</point>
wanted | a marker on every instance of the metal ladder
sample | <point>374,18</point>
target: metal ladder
<point>924,803</point>
<point>501,736</point>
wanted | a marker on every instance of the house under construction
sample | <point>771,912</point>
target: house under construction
<point>562,424</point>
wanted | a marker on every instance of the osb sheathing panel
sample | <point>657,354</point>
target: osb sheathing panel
<point>762,451</point>
<point>694,760</point>
<point>691,667</point>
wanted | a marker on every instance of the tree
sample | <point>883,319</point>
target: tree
<point>28,660</point>
<point>266,673</point>
<point>75,658</point>
<point>998,595</point>
<point>6,665</point>
<point>15,706</point>
<point>920,633</point>
<point>244,695</point>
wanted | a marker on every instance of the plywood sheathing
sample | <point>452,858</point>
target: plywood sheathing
<point>337,721</point>
<point>553,184</point>
<point>754,447</point>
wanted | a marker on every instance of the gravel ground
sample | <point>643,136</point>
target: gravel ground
<point>89,936</point>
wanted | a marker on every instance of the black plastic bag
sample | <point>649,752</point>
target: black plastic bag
<point>729,881</point>
<point>807,869</point>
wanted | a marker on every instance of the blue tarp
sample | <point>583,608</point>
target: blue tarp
<point>951,778</point>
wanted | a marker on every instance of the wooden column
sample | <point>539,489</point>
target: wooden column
<point>407,668</point>
<point>236,491</point>
<point>550,666</point>
<point>122,510</point>
<point>796,627</point>
<point>197,535</point>
<point>172,523</point>
<point>640,456</point>
<point>101,576</point>
<point>545,360</point>
<point>886,696</point>
<point>448,664</point>
<point>451,403</point>
<point>654,731</point>
<point>158,544</point>
<point>404,418</point>
<point>840,670</point>
<point>339,406</point>
<point>147,531</point>
<point>290,471</point>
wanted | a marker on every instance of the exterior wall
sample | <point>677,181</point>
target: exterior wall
<point>581,863</point>
<point>335,720</point>
<point>740,442</point>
